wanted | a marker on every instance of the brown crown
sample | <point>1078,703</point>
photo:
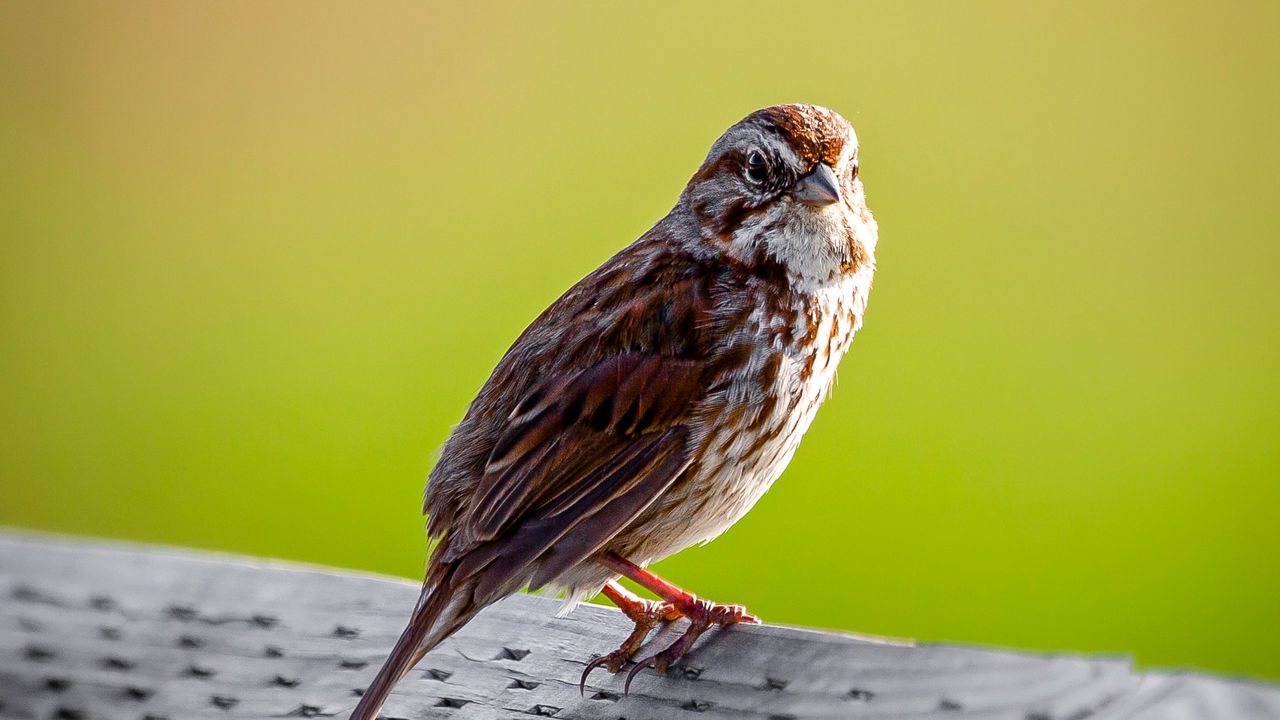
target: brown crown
<point>816,133</point>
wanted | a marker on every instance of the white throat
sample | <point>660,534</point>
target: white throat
<point>812,244</point>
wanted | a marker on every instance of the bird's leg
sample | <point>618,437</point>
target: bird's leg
<point>688,604</point>
<point>646,614</point>
<point>702,614</point>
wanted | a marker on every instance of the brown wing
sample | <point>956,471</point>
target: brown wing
<point>578,460</point>
<point>600,437</point>
<point>564,434</point>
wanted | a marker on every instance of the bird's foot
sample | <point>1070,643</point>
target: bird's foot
<point>702,615</point>
<point>646,614</point>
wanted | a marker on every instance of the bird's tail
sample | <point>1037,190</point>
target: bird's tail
<point>444,606</point>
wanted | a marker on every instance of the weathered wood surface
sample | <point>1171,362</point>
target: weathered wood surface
<point>91,630</point>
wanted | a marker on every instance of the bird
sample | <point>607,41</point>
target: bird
<point>649,407</point>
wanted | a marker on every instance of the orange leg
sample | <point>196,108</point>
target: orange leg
<point>636,607</point>
<point>647,614</point>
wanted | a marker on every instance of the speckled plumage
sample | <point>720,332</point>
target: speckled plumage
<point>653,403</point>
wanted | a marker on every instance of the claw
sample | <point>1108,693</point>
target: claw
<point>663,660</point>
<point>582,684</point>
<point>646,663</point>
<point>613,661</point>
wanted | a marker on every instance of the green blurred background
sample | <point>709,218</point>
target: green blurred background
<point>257,258</point>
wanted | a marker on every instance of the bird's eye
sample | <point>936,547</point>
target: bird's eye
<point>757,168</point>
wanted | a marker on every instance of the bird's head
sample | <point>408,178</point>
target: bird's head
<point>782,186</point>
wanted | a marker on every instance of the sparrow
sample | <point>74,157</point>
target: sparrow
<point>650,406</point>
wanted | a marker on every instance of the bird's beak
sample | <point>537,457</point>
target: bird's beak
<point>819,188</point>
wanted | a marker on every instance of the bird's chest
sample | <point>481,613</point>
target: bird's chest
<point>791,371</point>
<point>754,425</point>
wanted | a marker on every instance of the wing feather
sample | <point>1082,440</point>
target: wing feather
<point>620,493</point>
<point>550,454</point>
<point>602,431</point>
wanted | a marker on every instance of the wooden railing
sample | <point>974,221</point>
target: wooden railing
<point>94,630</point>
